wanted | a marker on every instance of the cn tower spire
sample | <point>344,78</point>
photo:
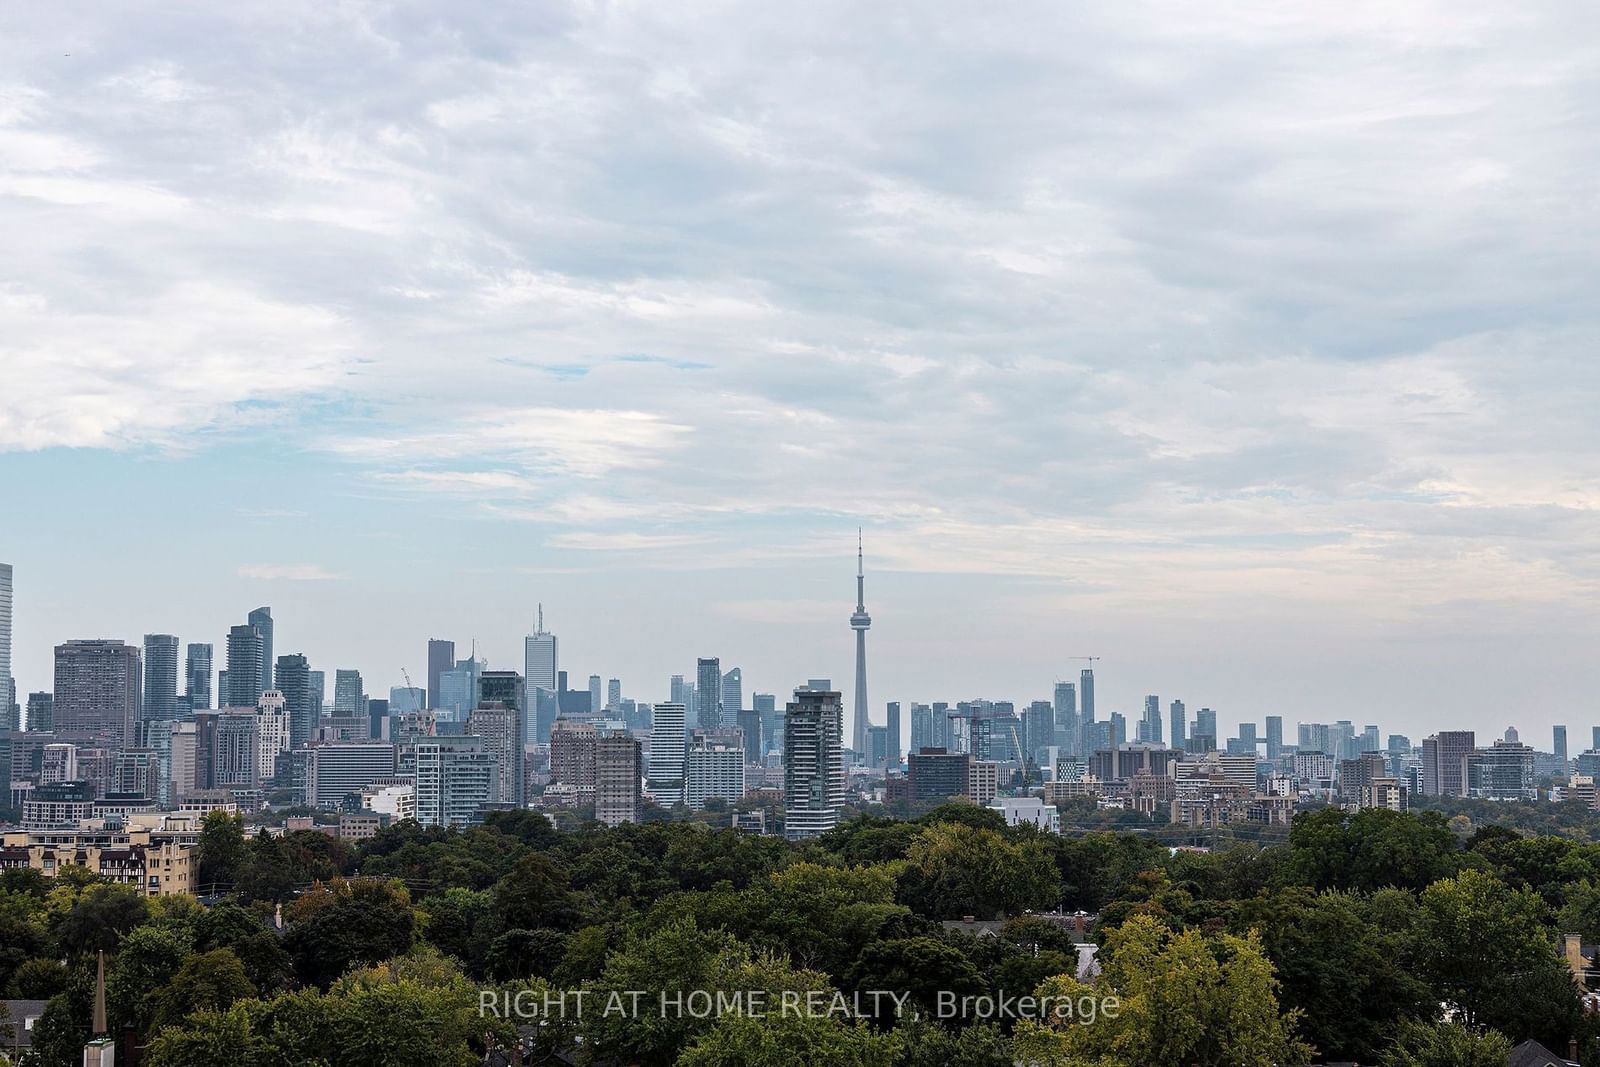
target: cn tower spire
<point>860,622</point>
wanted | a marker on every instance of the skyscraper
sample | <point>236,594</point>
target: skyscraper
<point>1275,736</point>
<point>348,701</point>
<point>732,694</point>
<point>539,674</point>
<point>317,682</point>
<point>860,622</point>
<point>617,767</point>
<point>596,701</point>
<point>509,689</point>
<point>1177,719</point>
<point>299,702</point>
<point>5,643</point>
<point>668,740</point>
<point>613,694</point>
<point>97,692</point>
<point>1559,746</point>
<point>1152,719</point>
<point>708,693</point>
<point>501,729</point>
<point>197,676</point>
<point>893,753</point>
<point>1444,762</point>
<point>1066,705</point>
<point>246,652</point>
<point>1086,710</point>
<point>813,763</point>
<point>160,677</point>
<point>441,658</point>
<point>261,619</point>
<point>41,712</point>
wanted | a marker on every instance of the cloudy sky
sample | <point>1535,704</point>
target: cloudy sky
<point>1251,347</point>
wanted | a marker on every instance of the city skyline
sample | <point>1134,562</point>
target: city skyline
<point>540,663</point>
<point>1205,373</point>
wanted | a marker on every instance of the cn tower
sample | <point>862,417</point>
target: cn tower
<point>860,622</point>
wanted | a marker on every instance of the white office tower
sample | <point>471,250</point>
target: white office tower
<point>272,732</point>
<point>713,769</point>
<point>667,744</point>
<point>539,673</point>
<point>813,763</point>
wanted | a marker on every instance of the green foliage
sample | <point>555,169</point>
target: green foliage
<point>678,961</point>
<point>99,918</point>
<point>221,852</point>
<point>789,1040</point>
<point>954,869</point>
<point>461,923</point>
<point>1346,961</point>
<point>1486,952</point>
<point>1184,999</point>
<point>210,982</point>
<point>526,954</point>
<point>1369,850</point>
<point>346,923</point>
<point>1446,1045</point>
<point>149,959</point>
<point>921,966</point>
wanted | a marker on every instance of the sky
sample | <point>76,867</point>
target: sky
<point>1249,347</point>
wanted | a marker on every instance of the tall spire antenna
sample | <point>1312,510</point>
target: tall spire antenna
<point>539,629</point>
<point>859,622</point>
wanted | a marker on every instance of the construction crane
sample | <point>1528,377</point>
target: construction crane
<point>1092,659</point>
<point>407,676</point>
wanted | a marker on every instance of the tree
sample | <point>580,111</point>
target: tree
<point>221,852</point>
<point>1346,961</point>
<point>1370,849</point>
<point>1183,999</point>
<point>535,893</point>
<point>211,981</point>
<point>953,870</point>
<point>100,918</point>
<point>921,966</point>
<point>1446,1045</point>
<point>781,1039</point>
<point>149,959</point>
<point>1486,952</point>
<point>525,954</point>
<point>679,961</point>
<point>347,923</point>
<point>461,923</point>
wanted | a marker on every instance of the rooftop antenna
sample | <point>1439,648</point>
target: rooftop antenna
<point>539,629</point>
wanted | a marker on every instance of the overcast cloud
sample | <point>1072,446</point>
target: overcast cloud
<point>1252,346</point>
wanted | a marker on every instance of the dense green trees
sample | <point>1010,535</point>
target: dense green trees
<point>1352,937</point>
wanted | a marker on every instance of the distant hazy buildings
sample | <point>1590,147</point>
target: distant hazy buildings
<point>508,689</point>
<point>7,684</point>
<point>197,667</point>
<point>1444,762</point>
<point>261,619</point>
<point>160,677</point>
<point>813,763</point>
<point>713,769</point>
<point>349,699</point>
<point>668,741</point>
<point>98,691</point>
<point>708,693</point>
<point>246,654</point>
<point>540,669</point>
<point>618,770</point>
<point>441,658</point>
